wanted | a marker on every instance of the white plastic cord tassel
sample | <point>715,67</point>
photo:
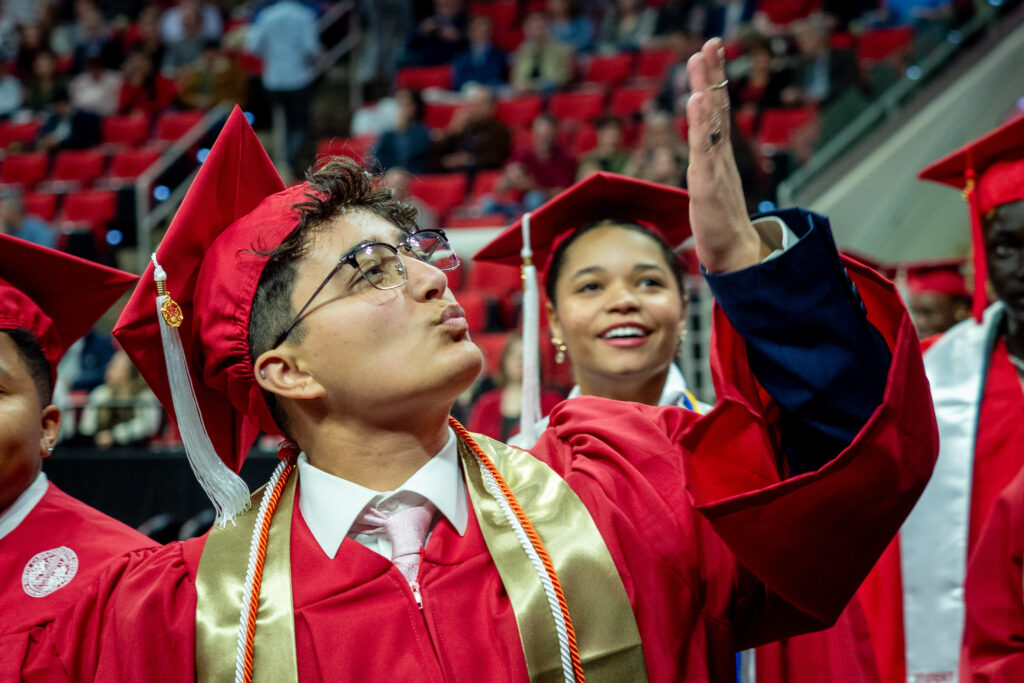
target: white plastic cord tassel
<point>225,489</point>
<point>529,411</point>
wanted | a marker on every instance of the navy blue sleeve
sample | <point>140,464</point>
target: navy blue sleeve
<point>808,341</point>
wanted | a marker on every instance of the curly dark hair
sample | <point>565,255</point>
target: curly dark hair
<point>337,186</point>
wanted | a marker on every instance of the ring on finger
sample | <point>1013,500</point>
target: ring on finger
<point>719,86</point>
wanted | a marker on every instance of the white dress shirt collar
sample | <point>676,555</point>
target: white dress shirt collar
<point>16,513</point>
<point>330,504</point>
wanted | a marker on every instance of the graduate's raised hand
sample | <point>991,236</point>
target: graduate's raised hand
<point>725,239</point>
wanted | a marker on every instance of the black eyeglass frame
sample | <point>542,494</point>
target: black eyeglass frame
<point>350,259</point>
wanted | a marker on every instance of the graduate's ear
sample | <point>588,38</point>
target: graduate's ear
<point>553,322</point>
<point>282,371</point>
<point>50,423</point>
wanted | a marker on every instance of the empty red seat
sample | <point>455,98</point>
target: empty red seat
<point>476,304</point>
<point>24,132</point>
<point>442,192</point>
<point>422,77</point>
<point>629,101</point>
<point>439,114</point>
<point>519,111</point>
<point>172,125</point>
<point>654,63</point>
<point>130,163</point>
<point>94,207</point>
<point>491,220</point>
<point>42,204</point>
<point>879,44</point>
<point>484,183</point>
<point>577,106</point>
<point>782,12</point>
<point>24,169</point>
<point>125,130</point>
<point>493,345</point>
<point>779,125</point>
<point>584,140</point>
<point>358,148</point>
<point>608,69</point>
<point>78,166</point>
<point>499,280</point>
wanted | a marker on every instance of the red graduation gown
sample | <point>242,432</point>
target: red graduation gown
<point>68,544</point>
<point>998,457</point>
<point>715,552</point>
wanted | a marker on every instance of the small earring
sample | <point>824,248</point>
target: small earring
<point>50,448</point>
<point>559,350</point>
<point>263,374</point>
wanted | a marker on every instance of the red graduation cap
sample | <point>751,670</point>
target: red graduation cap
<point>939,277</point>
<point>55,296</point>
<point>990,172</point>
<point>663,209</point>
<point>236,211</point>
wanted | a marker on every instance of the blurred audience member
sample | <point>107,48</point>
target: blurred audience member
<point>482,63</point>
<point>97,89</point>
<point>44,83</point>
<point>31,41</point>
<point>93,38</point>
<point>285,37</point>
<point>723,18</point>
<point>15,222</point>
<point>187,49</point>
<point>662,156</point>
<point>568,24</point>
<point>400,181</point>
<point>475,139</point>
<point>541,64</point>
<point>762,86</point>
<point>610,154</point>
<point>496,412</point>
<point>439,37</point>
<point>172,21</point>
<point>822,72</point>
<point>536,174</point>
<point>213,77</point>
<point>144,35</point>
<point>408,145</point>
<point>386,23</point>
<point>628,25</point>
<point>672,16</point>
<point>88,364</point>
<point>122,411</point>
<point>144,89</point>
<point>675,88</point>
<point>69,128</point>
<point>937,296</point>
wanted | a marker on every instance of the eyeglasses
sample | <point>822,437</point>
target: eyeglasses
<point>381,265</point>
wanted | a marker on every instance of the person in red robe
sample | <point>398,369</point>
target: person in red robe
<point>937,295</point>
<point>51,545</point>
<point>915,596</point>
<point>632,542</point>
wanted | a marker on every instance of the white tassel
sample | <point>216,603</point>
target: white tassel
<point>529,410</point>
<point>225,489</point>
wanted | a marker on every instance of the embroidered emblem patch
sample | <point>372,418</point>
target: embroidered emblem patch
<point>49,571</point>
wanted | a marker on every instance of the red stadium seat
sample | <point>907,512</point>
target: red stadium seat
<point>584,140</point>
<point>577,106</point>
<point>653,64</point>
<point>442,192</point>
<point>609,69</point>
<point>423,77</point>
<point>629,101</point>
<point>493,345</point>
<point>358,148</point>
<point>172,125</point>
<point>491,220</point>
<point>125,130</point>
<point>880,44</point>
<point>24,169</point>
<point>94,207</point>
<point>782,12</point>
<point>519,111</point>
<point>504,15</point>
<point>484,183</point>
<point>250,64</point>
<point>778,126</point>
<point>79,167</point>
<point>500,281</point>
<point>130,163</point>
<point>439,114</point>
<point>42,204</point>
<point>475,303</point>
<point>24,132</point>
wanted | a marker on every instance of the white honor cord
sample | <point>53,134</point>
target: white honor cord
<point>538,565</point>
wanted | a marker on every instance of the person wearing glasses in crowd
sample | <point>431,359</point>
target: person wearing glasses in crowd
<point>391,544</point>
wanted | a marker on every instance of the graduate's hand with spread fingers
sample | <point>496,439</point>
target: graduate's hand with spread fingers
<point>725,240</point>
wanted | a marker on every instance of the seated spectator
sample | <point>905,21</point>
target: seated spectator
<point>609,155</point>
<point>475,139</point>
<point>567,24</point>
<point>661,157</point>
<point>626,26</point>
<point>122,411</point>
<point>211,78</point>
<point>44,83</point>
<point>724,18</point>
<point>97,89</point>
<point>31,41</point>
<point>69,128</point>
<point>822,72</point>
<point>144,35</point>
<point>439,37</point>
<point>675,89</point>
<point>535,175</point>
<point>88,365</point>
<point>762,86</point>
<point>672,16</point>
<point>10,93</point>
<point>399,180</point>
<point>172,21</point>
<point>93,38</point>
<point>15,222</point>
<point>482,63</point>
<point>188,48</point>
<point>408,145</point>
<point>496,412</point>
<point>541,64</point>
<point>144,90</point>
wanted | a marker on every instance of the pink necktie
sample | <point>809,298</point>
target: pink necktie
<point>406,529</point>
